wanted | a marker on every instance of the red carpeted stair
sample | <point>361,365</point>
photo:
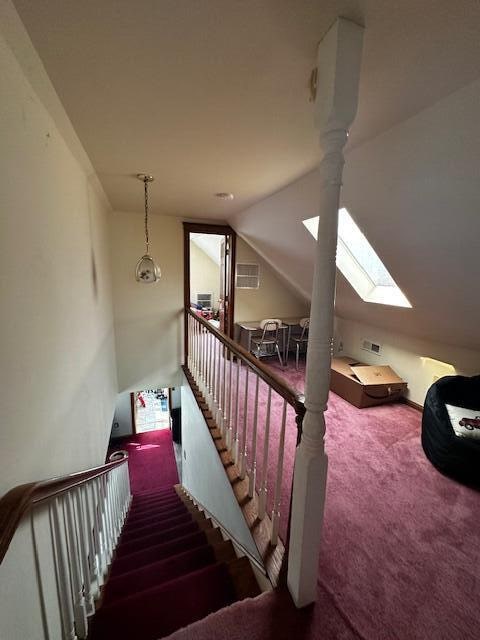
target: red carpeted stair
<point>171,566</point>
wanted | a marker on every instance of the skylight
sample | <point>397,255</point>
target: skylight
<point>361,266</point>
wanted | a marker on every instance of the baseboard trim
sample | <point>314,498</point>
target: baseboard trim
<point>414,405</point>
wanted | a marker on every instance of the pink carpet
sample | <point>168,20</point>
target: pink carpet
<point>161,579</point>
<point>399,558</point>
<point>165,573</point>
<point>151,461</point>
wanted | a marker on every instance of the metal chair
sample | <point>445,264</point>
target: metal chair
<point>268,344</point>
<point>302,340</point>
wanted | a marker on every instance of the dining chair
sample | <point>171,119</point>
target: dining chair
<point>302,339</point>
<point>268,343</point>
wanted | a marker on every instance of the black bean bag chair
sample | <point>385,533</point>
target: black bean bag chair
<point>453,455</point>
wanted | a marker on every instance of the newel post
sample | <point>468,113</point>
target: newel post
<point>338,71</point>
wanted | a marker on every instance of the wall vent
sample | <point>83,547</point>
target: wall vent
<point>205,300</point>
<point>247,276</point>
<point>373,347</point>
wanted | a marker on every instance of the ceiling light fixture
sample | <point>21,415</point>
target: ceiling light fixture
<point>224,196</point>
<point>146,270</point>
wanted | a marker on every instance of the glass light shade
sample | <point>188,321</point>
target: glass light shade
<point>146,270</point>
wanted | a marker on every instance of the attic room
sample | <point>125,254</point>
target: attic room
<point>297,274</point>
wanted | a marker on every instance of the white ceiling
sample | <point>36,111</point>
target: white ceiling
<point>209,243</point>
<point>414,191</point>
<point>212,96</point>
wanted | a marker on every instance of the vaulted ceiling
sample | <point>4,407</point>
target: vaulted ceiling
<point>212,95</point>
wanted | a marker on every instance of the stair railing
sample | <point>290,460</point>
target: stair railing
<point>230,379</point>
<point>83,514</point>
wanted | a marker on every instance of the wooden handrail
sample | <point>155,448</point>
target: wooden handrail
<point>291,395</point>
<point>19,500</point>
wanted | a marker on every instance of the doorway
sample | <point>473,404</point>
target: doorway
<point>150,410</point>
<point>210,273</point>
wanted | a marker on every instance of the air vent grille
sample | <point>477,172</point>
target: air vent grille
<point>373,347</point>
<point>247,276</point>
<point>205,300</point>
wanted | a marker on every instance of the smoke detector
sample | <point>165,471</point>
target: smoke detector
<point>223,195</point>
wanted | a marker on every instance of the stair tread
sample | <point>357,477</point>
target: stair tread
<point>156,538</point>
<point>156,573</point>
<point>170,568</point>
<point>154,613</point>
<point>155,493</point>
<point>141,557</point>
<point>146,529</point>
<point>156,516</point>
<point>154,502</point>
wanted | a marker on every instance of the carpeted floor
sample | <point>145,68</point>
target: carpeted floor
<point>151,461</point>
<point>399,558</point>
<point>171,566</point>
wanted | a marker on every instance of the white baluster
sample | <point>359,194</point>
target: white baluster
<point>204,364</point>
<point>221,385</point>
<point>109,497</point>
<point>108,528</point>
<point>196,347</point>
<point>210,371</point>
<point>216,381</point>
<point>81,520</point>
<point>97,532</point>
<point>113,503</point>
<point>93,564</point>
<point>228,406</point>
<point>118,502</point>
<point>253,469</point>
<point>224,393</point>
<point>277,496</point>
<point>194,331</point>
<point>191,347</point>
<point>189,343</point>
<point>64,593</point>
<point>79,606</point>
<point>262,494</point>
<point>200,357</point>
<point>38,573</point>
<point>236,446</point>
<point>243,444</point>
<point>126,489</point>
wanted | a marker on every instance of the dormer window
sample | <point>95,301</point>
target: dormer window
<point>360,264</point>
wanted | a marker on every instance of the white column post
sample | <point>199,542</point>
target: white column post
<point>338,71</point>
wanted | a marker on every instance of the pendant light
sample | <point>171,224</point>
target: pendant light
<point>146,270</point>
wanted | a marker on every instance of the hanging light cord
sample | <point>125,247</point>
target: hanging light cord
<point>145,182</point>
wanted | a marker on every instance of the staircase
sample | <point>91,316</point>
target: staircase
<point>171,567</point>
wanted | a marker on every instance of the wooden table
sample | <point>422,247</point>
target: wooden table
<point>244,331</point>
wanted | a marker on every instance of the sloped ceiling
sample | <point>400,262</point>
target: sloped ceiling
<point>414,191</point>
<point>209,244</point>
<point>212,95</point>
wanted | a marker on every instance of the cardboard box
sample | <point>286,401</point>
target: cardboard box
<point>364,385</point>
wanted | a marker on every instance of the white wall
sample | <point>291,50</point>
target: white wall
<point>203,474</point>
<point>204,275</point>
<point>58,374</point>
<point>414,191</point>
<point>58,377</point>
<point>273,299</point>
<point>148,317</point>
<point>416,361</point>
<point>122,420</point>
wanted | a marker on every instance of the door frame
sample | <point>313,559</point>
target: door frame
<point>134,412</point>
<point>215,229</point>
